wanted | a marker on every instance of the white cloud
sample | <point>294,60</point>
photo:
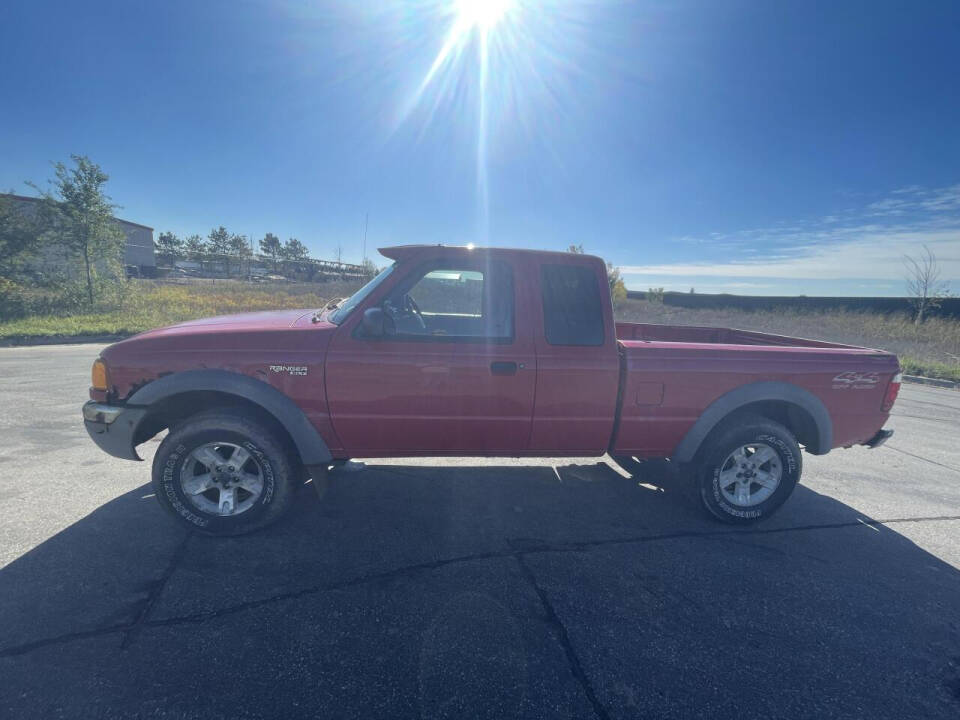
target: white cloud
<point>871,257</point>
<point>865,244</point>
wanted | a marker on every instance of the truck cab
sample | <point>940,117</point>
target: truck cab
<point>485,352</point>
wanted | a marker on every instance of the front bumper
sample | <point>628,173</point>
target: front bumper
<point>113,428</point>
<point>879,439</point>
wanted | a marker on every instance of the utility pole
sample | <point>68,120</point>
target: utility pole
<point>366,224</point>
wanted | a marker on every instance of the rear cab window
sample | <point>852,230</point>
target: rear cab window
<point>572,305</point>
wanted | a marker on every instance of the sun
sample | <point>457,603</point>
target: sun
<point>482,14</point>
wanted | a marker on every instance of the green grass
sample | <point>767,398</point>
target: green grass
<point>930,368</point>
<point>931,349</point>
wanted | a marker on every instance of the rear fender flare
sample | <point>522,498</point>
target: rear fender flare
<point>744,395</point>
<point>310,444</point>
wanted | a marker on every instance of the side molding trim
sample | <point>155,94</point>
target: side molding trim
<point>310,444</point>
<point>757,392</point>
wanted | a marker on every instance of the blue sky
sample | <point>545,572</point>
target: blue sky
<point>751,147</point>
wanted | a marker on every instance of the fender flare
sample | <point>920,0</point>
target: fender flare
<point>310,444</point>
<point>757,392</point>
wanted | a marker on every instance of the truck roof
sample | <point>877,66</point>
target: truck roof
<point>399,252</point>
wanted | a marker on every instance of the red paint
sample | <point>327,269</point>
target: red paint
<point>388,397</point>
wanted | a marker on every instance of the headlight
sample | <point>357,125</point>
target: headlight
<point>99,378</point>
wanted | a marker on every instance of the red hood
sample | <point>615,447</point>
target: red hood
<point>277,329</point>
<point>269,320</point>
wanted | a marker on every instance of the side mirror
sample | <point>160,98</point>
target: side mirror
<point>373,322</point>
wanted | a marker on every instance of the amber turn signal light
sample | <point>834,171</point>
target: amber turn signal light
<point>98,375</point>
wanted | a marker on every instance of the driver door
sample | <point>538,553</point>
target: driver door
<point>454,373</point>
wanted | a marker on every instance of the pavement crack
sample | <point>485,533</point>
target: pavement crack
<point>563,637</point>
<point>924,417</point>
<point>585,545</point>
<point>396,573</point>
<point>61,639</point>
<point>514,550</point>
<point>920,457</point>
<point>155,592</point>
<point>930,402</point>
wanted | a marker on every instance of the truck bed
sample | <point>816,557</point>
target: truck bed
<point>647,332</point>
<point>671,373</point>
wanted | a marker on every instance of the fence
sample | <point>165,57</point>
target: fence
<point>260,266</point>
<point>949,307</point>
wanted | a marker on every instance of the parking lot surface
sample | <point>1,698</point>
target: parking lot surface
<point>475,588</point>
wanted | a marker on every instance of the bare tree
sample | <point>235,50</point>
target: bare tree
<point>922,274</point>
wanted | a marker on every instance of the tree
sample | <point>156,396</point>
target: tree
<point>923,283</point>
<point>369,269</point>
<point>218,243</point>
<point>79,216</point>
<point>271,246</point>
<point>293,249</point>
<point>19,237</point>
<point>169,247</point>
<point>655,295</point>
<point>240,249</point>
<point>294,252</point>
<point>618,290</point>
<point>195,249</point>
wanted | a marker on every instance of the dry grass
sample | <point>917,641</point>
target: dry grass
<point>149,304</point>
<point>932,348</point>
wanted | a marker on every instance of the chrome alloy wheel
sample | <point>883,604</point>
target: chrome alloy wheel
<point>750,474</point>
<point>221,478</point>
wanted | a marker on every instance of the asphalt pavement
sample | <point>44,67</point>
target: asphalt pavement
<point>475,588</point>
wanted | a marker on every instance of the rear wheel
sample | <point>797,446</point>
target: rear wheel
<point>747,469</point>
<point>220,473</point>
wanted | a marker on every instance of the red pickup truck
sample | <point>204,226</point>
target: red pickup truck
<point>464,351</point>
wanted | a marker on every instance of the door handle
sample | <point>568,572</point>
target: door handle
<point>503,368</point>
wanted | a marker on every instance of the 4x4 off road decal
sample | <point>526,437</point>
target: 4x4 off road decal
<point>290,369</point>
<point>856,381</point>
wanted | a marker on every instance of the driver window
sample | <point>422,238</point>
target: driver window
<point>449,292</point>
<point>454,303</point>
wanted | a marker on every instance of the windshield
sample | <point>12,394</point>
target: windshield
<point>346,307</point>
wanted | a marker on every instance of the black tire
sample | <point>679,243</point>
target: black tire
<point>735,433</point>
<point>267,451</point>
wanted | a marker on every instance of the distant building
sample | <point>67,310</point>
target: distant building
<point>138,253</point>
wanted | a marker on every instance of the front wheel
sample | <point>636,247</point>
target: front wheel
<point>221,473</point>
<point>748,469</point>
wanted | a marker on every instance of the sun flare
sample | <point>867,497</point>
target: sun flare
<point>483,14</point>
<point>485,25</point>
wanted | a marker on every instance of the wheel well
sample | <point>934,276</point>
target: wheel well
<point>793,417</point>
<point>172,410</point>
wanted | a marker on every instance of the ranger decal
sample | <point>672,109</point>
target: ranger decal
<point>289,369</point>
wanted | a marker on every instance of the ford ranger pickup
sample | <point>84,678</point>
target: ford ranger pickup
<point>475,352</point>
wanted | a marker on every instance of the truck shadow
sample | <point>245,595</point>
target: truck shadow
<point>622,559</point>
